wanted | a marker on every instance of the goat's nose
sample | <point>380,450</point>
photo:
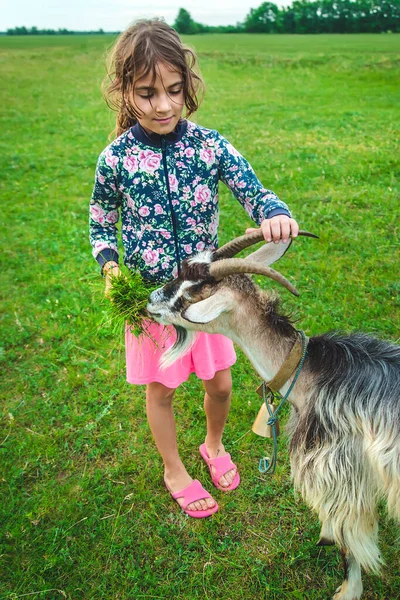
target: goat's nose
<point>156,295</point>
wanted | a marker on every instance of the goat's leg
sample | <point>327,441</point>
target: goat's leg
<point>345,500</point>
<point>358,549</point>
<point>351,588</point>
<point>326,535</point>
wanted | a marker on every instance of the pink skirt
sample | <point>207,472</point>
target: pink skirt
<point>210,353</point>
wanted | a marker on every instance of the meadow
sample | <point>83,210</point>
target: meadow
<point>84,511</point>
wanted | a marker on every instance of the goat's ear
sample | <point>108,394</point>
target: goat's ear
<point>269,252</point>
<point>209,309</point>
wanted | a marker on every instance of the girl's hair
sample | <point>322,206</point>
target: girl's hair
<point>137,51</point>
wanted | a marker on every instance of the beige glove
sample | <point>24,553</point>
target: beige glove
<point>110,270</point>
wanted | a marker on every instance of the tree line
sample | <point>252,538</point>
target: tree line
<point>308,16</point>
<point>36,31</point>
<point>303,16</point>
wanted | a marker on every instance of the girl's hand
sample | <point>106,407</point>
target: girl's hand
<point>278,228</point>
<point>110,270</point>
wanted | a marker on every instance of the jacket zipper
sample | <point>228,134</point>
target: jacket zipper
<point>173,215</point>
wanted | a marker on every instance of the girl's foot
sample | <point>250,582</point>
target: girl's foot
<point>217,451</point>
<point>180,480</point>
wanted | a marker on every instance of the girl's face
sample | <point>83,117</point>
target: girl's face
<point>159,103</point>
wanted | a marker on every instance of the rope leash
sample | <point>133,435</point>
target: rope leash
<point>268,465</point>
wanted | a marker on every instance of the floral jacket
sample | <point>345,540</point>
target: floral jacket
<point>165,187</point>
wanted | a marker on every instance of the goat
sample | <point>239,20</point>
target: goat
<point>345,421</point>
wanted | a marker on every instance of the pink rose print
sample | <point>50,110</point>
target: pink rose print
<point>149,161</point>
<point>212,228</point>
<point>189,152</point>
<point>150,257</point>
<point>200,246</point>
<point>144,211</point>
<point>99,247</point>
<point>164,265</point>
<point>202,194</point>
<point>112,217</point>
<point>111,160</point>
<point>248,206</point>
<point>158,209</point>
<point>241,184</point>
<point>207,155</point>
<point>190,221</point>
<point>131,164</point>
<point>97,214</point>
<point>188,248</point>
<point>101,179</point>
<point>173,183</point>
<point>232,150</point>
<point>166,234</point>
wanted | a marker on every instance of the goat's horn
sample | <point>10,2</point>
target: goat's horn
<point>244,241</point>
<point>230,266</point>
<point>235,246</point>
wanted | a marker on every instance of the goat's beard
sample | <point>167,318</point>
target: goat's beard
<point>184,341</point>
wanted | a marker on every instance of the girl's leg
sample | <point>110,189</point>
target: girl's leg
<point>161,419</point>
<point>217,401</point>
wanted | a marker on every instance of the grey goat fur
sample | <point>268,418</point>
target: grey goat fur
<point>345,422</point>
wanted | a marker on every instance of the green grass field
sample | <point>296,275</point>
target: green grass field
<point>83,508</point>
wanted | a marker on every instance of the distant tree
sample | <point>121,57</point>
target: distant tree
<point>262,19</point>
<point>17,31</point>
<point>287,20</point>
<point>184,23</point>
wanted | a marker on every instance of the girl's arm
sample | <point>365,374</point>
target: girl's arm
<point>104,212</point>
<point>262,205</point>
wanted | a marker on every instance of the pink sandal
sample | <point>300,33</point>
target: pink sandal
<point>192,493</point>
<point>221,464</point>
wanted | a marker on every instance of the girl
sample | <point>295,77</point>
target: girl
<point>161,176</point>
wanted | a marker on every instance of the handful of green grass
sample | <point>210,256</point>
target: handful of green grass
<point>128,299</point>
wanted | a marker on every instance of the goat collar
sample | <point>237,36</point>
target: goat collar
<point>288,368</point>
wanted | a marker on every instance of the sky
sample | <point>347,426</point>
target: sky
<point>115,15</point>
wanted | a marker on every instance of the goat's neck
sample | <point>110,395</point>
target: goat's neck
<point>267,355</point>
<point>266,349</point>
